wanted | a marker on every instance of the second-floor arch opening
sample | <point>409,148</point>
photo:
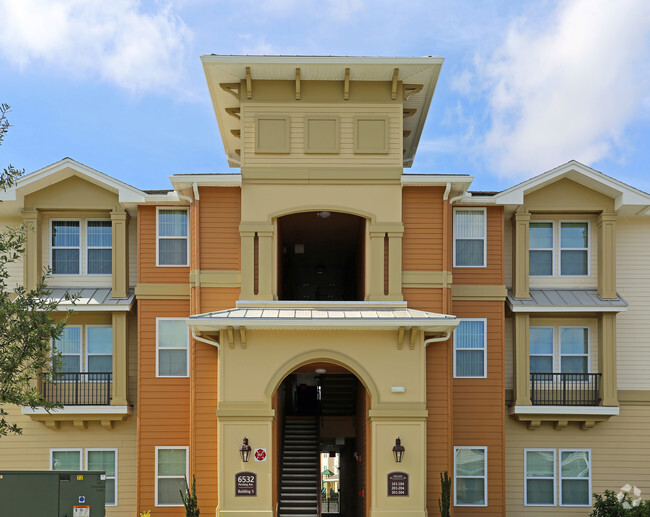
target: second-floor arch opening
<point>321,256</point>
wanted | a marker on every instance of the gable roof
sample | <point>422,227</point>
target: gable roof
<point>67,168</point>
<point>622,193</point>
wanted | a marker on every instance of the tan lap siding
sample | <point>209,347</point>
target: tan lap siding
<point>478,404</point>
<point>164,408</point>
<point>620,454</point>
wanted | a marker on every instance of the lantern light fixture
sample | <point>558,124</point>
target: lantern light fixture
<point>398,451</point>
<point>245,451</point>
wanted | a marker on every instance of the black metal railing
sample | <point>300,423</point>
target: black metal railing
<point>330,504</point>
<point>79,388</point>
<point>565,389</point>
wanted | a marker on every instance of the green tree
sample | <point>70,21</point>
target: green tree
<point>26,327</point>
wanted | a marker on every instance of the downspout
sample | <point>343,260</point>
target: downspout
<point>210,342</point>
<point>445,245</point>
<point>438,339</point>
<point>458,198</point>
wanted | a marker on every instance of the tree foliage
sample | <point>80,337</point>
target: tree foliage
<point>26,327</point>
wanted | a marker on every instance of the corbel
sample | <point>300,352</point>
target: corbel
<point>409,112</point>
<point>400,338</point>
<point>393,91</point>
<point>234,112</point>
<point>242,336</point>
<point>587,424</point>
<point>231,88</point>
<point>346,85</point>
<point>80,424</point>
<point>406,132</point>
<point>231,337</point>
<point>561,424</point>
<point>249,83</point>
<point>54,425</point>
<point>297,84</point>
<point>236,133</point>
<point>107,424</point>
<point>534,424</point>
<point>411,89</point>
<point>414,335</point>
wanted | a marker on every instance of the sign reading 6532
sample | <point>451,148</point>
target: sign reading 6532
<point>245,484</point>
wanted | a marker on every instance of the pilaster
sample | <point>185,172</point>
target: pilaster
<point>521,222</point>
<point>120,364</point>
<point>521,337</point>
<point>607,255</point>
<point>32,267</point>
<point>607,359</point>
<point>120,254</point>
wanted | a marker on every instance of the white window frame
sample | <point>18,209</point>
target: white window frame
<point>85,347</point>
<point>107,476</point>
<point>557,346</point>
<point>81,354</point>
<point>157,477</point>
<point>526,451</point>
<point>485,476</point>
<point>66,449</point>
<point>484,376</point>
<point>186,238</point>
<point>553,354</point>
<point>561,478</point>
<point>158,349</point>
<point>80,247</point>
<point>471,209</point>
<point>554,269</point>
<point>88,247</point>
<point>561,249</point>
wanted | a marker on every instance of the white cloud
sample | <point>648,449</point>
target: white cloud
<point>115,40</point>
<point>567,90</point>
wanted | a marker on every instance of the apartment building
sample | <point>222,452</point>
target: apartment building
<point>322,300</point>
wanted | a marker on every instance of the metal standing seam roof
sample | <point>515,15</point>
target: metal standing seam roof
<point>324,317</point>
<point>90,299</point>
<point>549,299</point>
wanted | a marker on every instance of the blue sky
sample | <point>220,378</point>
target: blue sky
<point>526,85</point>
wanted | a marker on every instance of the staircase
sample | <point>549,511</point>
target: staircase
<point>338,395</point>
<point>300,470</point>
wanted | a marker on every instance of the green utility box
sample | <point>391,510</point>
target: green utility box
<point>62,493</point>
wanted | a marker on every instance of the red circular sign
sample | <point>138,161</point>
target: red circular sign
<point>260,454</point>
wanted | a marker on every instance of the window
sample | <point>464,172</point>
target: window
<point>66,247</point>
<point>569,355</point>
<point>172,344</point>
<point>470,345</point>
<point>539,471</point>
<point>105,460</point>
<point>572,247</point>
<point>575,477</point>
<point>67,243</point>
<point>97,349</point>
<point>541,474</point>
<point>172,237</point>
<point>65,459</point>
<point>469,237</point>
<point>96,459</point>
<point>171,471</point>
<point>470,476</point>
<point>540,254</point>
<point>99,247</point>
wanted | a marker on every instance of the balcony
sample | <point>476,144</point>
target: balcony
<point>565,389</point>
<point>85,396</point>
<point>79,388</point>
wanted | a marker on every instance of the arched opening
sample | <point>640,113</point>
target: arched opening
<point>322,439</point>
<point>321,256</point>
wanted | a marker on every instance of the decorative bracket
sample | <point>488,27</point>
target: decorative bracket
<point>231,88</point>
<point>412,89</point>
<point>249,83</point>
<point>393,91</point>
<point>297,84</point>
<point>346,85</point>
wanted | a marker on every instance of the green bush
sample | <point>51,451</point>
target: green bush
<point>623,504</point>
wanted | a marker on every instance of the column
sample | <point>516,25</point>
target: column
<point>247,262</point>
<point>120,254</point>
<point>607,359</point>
<point>120,363</point>
<point>607,255</point>
<point>521,338</point>
<point>32,256</point>
<point>521,221</point>
<point>395,265</point>
<point>376,265</point>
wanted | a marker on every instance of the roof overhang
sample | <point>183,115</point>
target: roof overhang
<point>553,300</point>
<point>323,316</point>
<point>233,69</point>
<point>91,299</point>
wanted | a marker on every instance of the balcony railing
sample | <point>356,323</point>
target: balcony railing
<point>79,388</point>
<point>565,389</point>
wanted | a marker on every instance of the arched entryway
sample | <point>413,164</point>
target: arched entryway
<point>322,436</point>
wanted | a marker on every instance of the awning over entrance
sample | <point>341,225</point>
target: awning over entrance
<point>289,315</point>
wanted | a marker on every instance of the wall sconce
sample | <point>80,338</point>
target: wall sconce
<point>245,451</point>
<point>398,451</point>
